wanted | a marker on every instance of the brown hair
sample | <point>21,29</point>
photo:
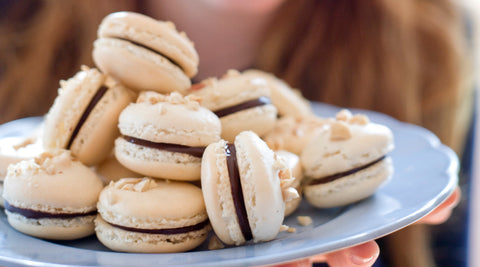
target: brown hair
<point>403,58</point>
<point>42,43</point>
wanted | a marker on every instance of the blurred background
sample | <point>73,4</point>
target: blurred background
<point>415,60</point>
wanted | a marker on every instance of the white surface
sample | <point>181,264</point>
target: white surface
<point>425,174</point>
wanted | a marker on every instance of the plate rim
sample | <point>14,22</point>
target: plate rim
<point>434,143</point>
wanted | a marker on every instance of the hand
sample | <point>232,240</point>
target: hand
<point>362,255</point>
<point>442,212</point>
<point>366,254</point>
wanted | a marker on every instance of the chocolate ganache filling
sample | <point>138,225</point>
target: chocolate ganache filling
<point>152,50</point>
<point>196,151</point>
<point>263,100</point>
<point>96,98</point>
<point>35,214</point>
<point>237,193</point>
<point>167,231</point>
<point>337,176</point>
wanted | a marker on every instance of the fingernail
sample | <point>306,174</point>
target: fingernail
<point>358,260</point>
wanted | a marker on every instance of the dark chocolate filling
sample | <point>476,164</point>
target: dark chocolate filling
<point>237,193</point>
<point>168,231</point>
<point>35,214</point>
<point>263,100</point>
<point>152,50</point>
<point>196,151</point>
<point>96,98</point>
<point>337,176</point>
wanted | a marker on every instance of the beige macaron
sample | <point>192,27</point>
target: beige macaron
<point>244,186</point>
<point>145,215</point>
<point>288,101</point>
<point>294,133</point>
<point>52,196</point>
<point>84,116</point>
<point>293,162</point>
<point>164,136</point>
<point>14,150</point>
<point>111,170</point>
<point>242,103</point>
<point>144,53</point>
<point>347,162</point>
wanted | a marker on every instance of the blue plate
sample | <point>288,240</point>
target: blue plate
<point>425,175</point>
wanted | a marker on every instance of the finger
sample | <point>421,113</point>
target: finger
<point>299,263</point>
<point>443,212</point>
<point>362,255</point>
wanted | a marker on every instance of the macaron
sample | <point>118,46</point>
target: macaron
<point>52,196</point>
<point>245,185</point>
<point>164,136</point>
<point>288,101</point>
<point>347,162</point>
<point>84,116</point>
<point>147,215</point>
<point>14,150</point>
<point>242,103</point>
<point>293,162</point>
<point>111,170</point>
<point>294,133</point>
<point>144,53</point>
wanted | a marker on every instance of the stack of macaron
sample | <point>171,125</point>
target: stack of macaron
<point>161,162</point>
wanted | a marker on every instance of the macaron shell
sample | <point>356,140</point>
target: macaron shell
<point>217,195</point>
<point>293,162</point>
<point>259,120</point>
<point>152,204</point>
<point>156,162</point>
<point>111,170</point>
<point>96,137</point>
<point>137,67</point>
<point>126,241</point>
<point>73,98</point>
<point>351,188</point>
<point>230,90</point>
<point>158,35</point>
<point>56,185</point>
<point>294,133</point>
<point>164,122</point>
<point>16,149</point>
<point>260,185</point>
<point>323,157</point>
<point>55,229</point>
<point>288,101</point>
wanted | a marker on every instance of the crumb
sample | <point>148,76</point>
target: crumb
<point>343,115</point>
<point>304,220</point>
<point>286,228</point>
<point>359,119</point>
<point>214,243</point>
<point>340,131</point>
<point>231,73</point>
